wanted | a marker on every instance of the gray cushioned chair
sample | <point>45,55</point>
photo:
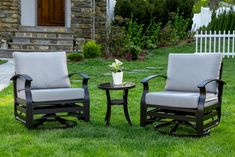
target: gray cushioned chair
<point>42,87</point>
<point>192,95</point>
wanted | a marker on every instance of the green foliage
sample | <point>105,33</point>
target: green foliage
<point>223,22</point>
<point>75,57</point>
<point>173,32</point>
<point>146,11</point>
<point>180,26</point>
<point>229,1</point>
<point>198,4</point>
<point>151,35</point>
<point>133,50</point>
<point>134,32</point>
<point>116,66</point>
<point>91,49</point>
<point>113,42</point>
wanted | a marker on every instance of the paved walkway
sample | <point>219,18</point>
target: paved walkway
<point>6,72</point>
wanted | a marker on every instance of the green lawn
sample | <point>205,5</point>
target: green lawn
<point>2,61</point>
<point>94,139</point>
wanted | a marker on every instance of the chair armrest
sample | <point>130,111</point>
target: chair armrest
<point>145,80</point>
<point>205,82</point>
<point>23,76</point>
<point>85,79</point>
<point>202,88</point>
<point>27,85</point>
<point>84,76</point>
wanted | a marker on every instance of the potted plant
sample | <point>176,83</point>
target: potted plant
<point>117,72</point>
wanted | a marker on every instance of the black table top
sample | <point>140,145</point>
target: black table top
<point>110,86</point>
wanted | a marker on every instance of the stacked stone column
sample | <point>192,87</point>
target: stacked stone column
<point>9,17</point>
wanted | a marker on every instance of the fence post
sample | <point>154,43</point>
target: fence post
<point>214,41</point>
<point>205,40</point>
<point>229,44</point>
<point>196,41</point>
<point>233,43</point>
<point>210,43</point>
<point>224,43</point>
<point>219,49</point>
<point>201,43</point>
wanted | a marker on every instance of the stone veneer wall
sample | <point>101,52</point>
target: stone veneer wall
<point>83,12</point>
<point>82,21</point>
<point>9,17</point>
<point>82,18</point>
<point>101,18</point>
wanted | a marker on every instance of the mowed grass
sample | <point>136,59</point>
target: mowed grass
<point>2,61</point>
<point>94,139</point>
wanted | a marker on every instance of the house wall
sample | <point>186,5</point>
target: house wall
<point>82,18</point>
<point>101,18</point>
<point>85,16</point>
<point>9,16</point>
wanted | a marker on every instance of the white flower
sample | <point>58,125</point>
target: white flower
<point>118,62</point>
<point>116,66</point>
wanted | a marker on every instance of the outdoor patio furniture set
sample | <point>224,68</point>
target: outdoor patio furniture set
<point>192,95</point>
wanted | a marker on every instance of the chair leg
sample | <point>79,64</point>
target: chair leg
<point>143,115</point>
<point>199,123</point>
<point>86,111</point>
<point>29,115</point>
<point>15,109</point>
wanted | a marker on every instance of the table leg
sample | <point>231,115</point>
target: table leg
<point>108,112</point>
<point>125,106</point>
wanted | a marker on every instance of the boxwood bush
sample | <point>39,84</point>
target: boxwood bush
<point>91,49</point>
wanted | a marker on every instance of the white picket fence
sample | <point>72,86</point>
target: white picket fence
<point>216,42</point>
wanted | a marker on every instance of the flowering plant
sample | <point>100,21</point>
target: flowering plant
<point>116,66</point>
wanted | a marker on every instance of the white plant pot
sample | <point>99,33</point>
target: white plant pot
<point>117,78</point>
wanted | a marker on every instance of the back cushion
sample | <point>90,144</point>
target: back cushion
<point>186,71</point>
<point>48,70</point>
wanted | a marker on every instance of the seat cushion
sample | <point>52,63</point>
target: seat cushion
<point>186,71</point>
<point>42,95</point>
<point>179,99</point>
<point>47,69</point>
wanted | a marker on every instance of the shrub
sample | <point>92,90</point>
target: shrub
<point>151,35</point>
<point>180,26</point>
<point>200,3</point>
<point>114,42</point>
<point>223,22</point>
<point>75,57</point>
<point>134,32</point>
<point>91,49</point>
<point>144,11</point>
<point>132,51</point>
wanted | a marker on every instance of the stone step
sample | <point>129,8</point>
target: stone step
<point>31,40</point>
<point>37,34</point>
<point>41,47</point>
<point>43,29</point>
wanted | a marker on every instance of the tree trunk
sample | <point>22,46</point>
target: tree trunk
<point>214,4</point>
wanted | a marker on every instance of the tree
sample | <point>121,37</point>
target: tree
<point>214,4</point>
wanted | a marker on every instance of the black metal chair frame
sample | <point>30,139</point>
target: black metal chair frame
<point>201,119</point>
<point>25,110</point>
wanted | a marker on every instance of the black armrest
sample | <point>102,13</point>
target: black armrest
<point>24,76</point>
<point>205,82</point>
<point>202,88</point>
<point>85,79</point>
<point>145,80</point>
<point>27,85</point>
<point>84,76</point>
